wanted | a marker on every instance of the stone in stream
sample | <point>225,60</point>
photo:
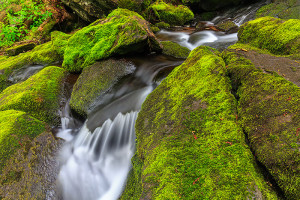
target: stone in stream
<point>38,95</point>
<point>175,50</point>
<point>269,113</point>
<point>189,143</point>
<point>121,32</point>
<point>168,13</point>
<point>96,80</point>
<point>228,26</point>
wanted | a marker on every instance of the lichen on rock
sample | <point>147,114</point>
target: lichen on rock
<point>121,32</point>
<point>38,95</point>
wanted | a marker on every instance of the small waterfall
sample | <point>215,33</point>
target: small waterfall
<point>95,165</point>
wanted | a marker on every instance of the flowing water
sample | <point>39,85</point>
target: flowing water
<point>96,157</point>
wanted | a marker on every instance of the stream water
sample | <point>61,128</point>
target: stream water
<point>96,157</point>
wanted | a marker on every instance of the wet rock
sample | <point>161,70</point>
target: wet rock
<point>97,80</point>
<point>175,50</point>
<point>228,26</point>
<point>189,141</point>
<point>16,50</point>
<point>122,32</point>
<point>38,95</point>
<point>213,5</point>
<point>268,111</point>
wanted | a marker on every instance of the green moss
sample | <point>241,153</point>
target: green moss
<point>269,111</point>
<point>227,25</point>
<point>13,51</point>
<point>122,32</point>
<point>189,140</point>
<point>284,9</point>
<point>96,80</point>
<point>173,15</point>
<point>132,5</point>
<point>274,35</point>
<point>154,29</point>
<point>16,126</point>
<point>175,50</point>
<point>38,95</point>
<point>162,25</point>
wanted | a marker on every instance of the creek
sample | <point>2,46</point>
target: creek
<point>96,157</point>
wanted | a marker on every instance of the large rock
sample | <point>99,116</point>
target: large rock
<point>97,80</point>
<point>166,12</point>
<point>269,112</point>
<point>16,127</point>
<point>38,95</point>
<point>122,32</point>
<point>275,35</point>
<point>175,50</point>
<point>189,144</point>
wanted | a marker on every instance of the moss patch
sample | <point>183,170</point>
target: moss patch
<point>175,50</point>
<point>269,111</point>
<point>189,140</point>
<point>122,32</point>
<point>284,9</point>
<point>37,96</point>
<point>173,15</point>
<point>16,126</point>
<point>275,35</point>
<point>95,81</point>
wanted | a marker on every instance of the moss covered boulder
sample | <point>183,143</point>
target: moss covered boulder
<point>122,32</point>
<point>97,80</point>
<point>31,171</point>
<point>228,26</point>
<point>284,9</point>
<point>189,144</point>
<point>175,50</point>
<point>38,95</point>
<point>16,127</point>
<point>44,54</point>
<point>275,35</point>
<point>166,12</point>
<point>13,51</point>
<point>269,113</point>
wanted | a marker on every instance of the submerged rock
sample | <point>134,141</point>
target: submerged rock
<point>275,35</point>
<point>122,32</point>
<point>175,50</point>
<point>269,113</point>
<point>97,80</point>
<point>16,127</point>
<point>166,12</point>
<point>38,95</point>
<point>189,144</point>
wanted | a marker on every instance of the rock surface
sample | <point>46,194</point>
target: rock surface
<point>122,32</point>
<point>175,50</point>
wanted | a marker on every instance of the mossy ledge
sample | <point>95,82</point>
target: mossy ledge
<point>121,32</point>
<point>16,127</point>
<point>38,95</point>
<point>275,35</point>
<point>96,80</point>
<point>269,113</point>
<point>189,144</point>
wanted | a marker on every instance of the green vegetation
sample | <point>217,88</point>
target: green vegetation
<point>38,95</point>
<point>189,141</point>
<point>175,50</point>
<point>268,110</point>
<point>96,80</point>
<point>173,15</point>
<point>284,9</point>
<point>19,18</point>
<point>16,126</point>
<point>275,35</point>
<point>122,32</point>
<point>162,25</point>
